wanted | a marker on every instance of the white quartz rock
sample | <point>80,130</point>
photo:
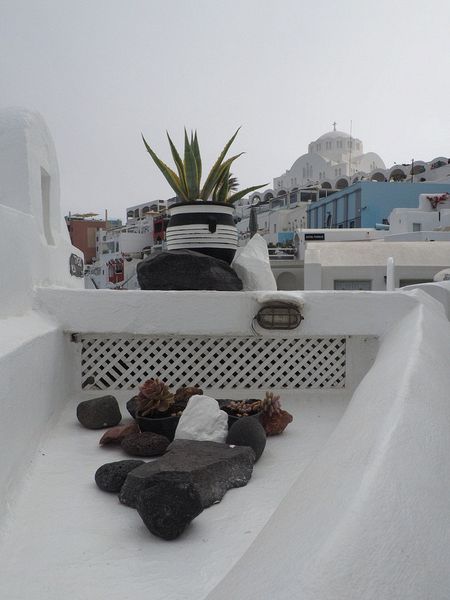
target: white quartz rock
<point>202,420</point>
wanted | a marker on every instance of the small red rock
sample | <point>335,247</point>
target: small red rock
<point>117,434</point>
<point>276,423</point>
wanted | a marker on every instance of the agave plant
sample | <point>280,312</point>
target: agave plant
<point>217,186</point>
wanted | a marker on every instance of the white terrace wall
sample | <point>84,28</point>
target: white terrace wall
<point>34,241</point>
<point>369,519</point>
<point>128,331</point>
<point>35,357</point>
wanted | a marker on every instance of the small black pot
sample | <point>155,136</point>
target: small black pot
<point>163,425</point>
<point>232,418</point>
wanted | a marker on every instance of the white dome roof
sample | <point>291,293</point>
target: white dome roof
<point>333,134</point>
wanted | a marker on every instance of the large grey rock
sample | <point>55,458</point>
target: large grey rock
<point>202,420</point>
<point>248,431</point>
<point>167,507</point>
<point>186,270</point>
<point>99,412</point>
<point>212,468</point>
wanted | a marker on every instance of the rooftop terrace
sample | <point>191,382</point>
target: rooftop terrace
<point>350,502</point>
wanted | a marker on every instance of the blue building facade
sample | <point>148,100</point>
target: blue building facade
<point>366,203</point>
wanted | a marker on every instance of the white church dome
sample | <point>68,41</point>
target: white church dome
<point>333,135</point>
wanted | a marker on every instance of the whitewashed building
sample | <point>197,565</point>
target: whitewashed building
<point>418,241</point>
<point>333,156</point>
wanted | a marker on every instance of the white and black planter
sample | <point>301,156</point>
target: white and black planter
<point>204,227</point>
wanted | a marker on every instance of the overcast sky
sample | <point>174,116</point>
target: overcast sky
<point>102,71</point>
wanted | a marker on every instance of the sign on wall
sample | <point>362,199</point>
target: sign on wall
<point>314,236</point>
<point>76,265</point>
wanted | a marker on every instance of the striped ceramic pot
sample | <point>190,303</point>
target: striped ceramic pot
<point>203,227</point>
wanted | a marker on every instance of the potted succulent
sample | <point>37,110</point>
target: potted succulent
<point>237,409</point>
<point>203,219</point>
<point>157,409</point>
<point>272,417</point>
<point>268,411</point>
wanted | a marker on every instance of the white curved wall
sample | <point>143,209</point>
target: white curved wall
<point>34,240</point>
<point>369,518</point>
<point>36,362</point>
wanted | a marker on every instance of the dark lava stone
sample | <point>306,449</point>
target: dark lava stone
<point>99,412</point>
<point>145,444</point>
<point>111,477</point>
<point>248,431</point>
<point>186,270</point>
<point>167,507</point>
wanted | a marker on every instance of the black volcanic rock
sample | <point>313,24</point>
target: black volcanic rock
<point>248,431</point>
<point>168,506</point>
<point>186,270</point>
<point>212,468</point>
<point>111,476</point>
<point>145,443</point>
<point>99,412</point>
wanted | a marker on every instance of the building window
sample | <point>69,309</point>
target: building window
<point>45,195</point>
<point>91,235</point>
<point>353,284</point>
<point>274,227</point>
<point>417,226</point>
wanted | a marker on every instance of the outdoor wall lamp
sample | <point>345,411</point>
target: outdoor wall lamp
<point>279,315</point>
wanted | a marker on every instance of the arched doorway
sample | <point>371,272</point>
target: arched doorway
<point>397,175</point>
<point>287,281</point>
<point>341,183</point>
<point>378,177</point>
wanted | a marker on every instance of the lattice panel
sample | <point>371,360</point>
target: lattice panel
<point>214,362</point>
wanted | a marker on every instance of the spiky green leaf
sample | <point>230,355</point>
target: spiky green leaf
<point>179,164</point>
<point>190,166</point>
<point>222,192</point>
<point>198,159</point>
<point>214,174</point>
<point>238,195</point>
<point>171,177</point>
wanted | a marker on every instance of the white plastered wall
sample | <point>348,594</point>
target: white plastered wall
<point>35,357</point>
<point>369,518</point>
<point>34,241</point>
<point>326,262</point>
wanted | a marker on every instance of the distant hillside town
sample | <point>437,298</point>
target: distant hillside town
<point>335,185</point>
